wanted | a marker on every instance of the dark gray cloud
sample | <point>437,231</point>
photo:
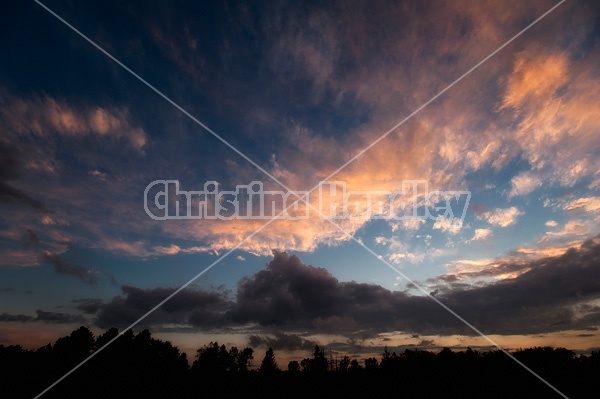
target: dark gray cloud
<point>88,305</point>
<point>555,294</point>
<point>10,170</point>
<point>58,318</point>
<point>551,296</point>
<point>43,316</point>
<point>29,239</point>
<point>15,317</point>
<point>198,308</point>
<point>63,266</point>
<point>289,293</point>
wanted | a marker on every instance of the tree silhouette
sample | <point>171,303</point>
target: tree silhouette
<point>214,359</point>
<point>74,348</point>
<point>344,363</point>
<point>138,365</point>
<point>319,361</point>
<point>269,365</point>
<point>371,363</point>
<point>354,366</point>
<point>294,366</point>
<point>386,358</point>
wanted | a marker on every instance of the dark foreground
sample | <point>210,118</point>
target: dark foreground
<point>139,366</point>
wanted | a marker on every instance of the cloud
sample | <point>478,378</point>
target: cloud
<point>286,292</point>
<point>19,257</point>
<point>399,251</point>
<point>88,305</point>
<point>281,341</point>
<point>170,250</point>
<point>534,76</point>
<point>58,318</point>
<point>42,116</point>
<point>445,225</point>
<point>45,317</point>
<point>289,293</point>
<point>131,247</point>
<point>187,308</point>
<point>587,204</point>
<point>309,49</point>
<point>408,224</point>
<point>542,299</point>
<point>346,80</point>
<point>501,217</point>
<point>11,164</point>
<point>550,92</point>
<point>30,238</point>
<point>575,228</point>
<point>551,223</point>
<point>427,151</point>
<point>468,273</point>
<point>15,317</point>
<point>367,93</point>
<point>305,52</point>
<point>547,294</point>
<point>64,266</point>
<point>524,184</point>
<point>98,175</point>
<point>482,234</point>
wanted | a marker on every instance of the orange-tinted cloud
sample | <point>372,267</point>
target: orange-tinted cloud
<point>43,115</point>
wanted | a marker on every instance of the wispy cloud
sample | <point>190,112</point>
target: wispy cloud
<point>63,266</point>
<point>11,165</point>
<point>587,204</point>
<point>551,99</point>
<point>43,116</point>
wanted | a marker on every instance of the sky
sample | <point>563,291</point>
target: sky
<point>284,94</point>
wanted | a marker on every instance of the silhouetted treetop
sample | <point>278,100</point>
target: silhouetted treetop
<point>213,358</point>
<point>138,365</point>
<point>269,365</point>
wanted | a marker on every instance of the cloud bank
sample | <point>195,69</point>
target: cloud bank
<point>288,296</point>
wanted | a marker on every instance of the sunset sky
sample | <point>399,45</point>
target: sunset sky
<point>300,88</point>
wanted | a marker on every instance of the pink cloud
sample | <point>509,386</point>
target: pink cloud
<point>502,217</point>
<point>482,234</point>
<point>44,116</point>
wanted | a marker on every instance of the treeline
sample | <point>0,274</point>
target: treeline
<point>139,366</point>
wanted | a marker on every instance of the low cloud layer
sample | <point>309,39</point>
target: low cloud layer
<point>554,294</point>
<point>45,317</point>
<point>196,308</point>
<point>281,341</point>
